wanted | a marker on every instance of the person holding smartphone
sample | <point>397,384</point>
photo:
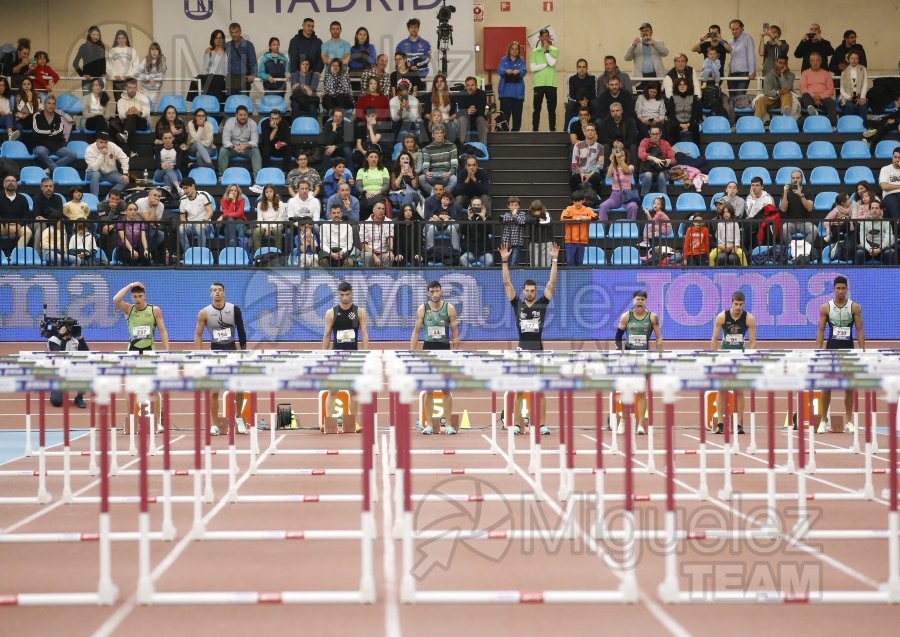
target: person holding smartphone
<point>813,42</point>
<point>771,47</point>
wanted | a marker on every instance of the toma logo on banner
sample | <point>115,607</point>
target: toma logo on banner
<point>289,305</point>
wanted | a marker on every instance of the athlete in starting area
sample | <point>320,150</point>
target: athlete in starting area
<point>438,317</point>
<point>345,329</point>
<point>737,327</point>
<point>840,315</point>
<point>225,325</point>
<point>636,325</point>
<point>531,314</point>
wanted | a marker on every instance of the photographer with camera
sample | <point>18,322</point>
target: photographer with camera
<point>647,53</point>
<point>475,239</point>
<point>813,42</point>
<point>63,334</point>
<point>712,39</point>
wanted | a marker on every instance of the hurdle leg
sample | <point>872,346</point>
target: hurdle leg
<point>254,435</point>
<point>599,473</point>
<point>893,583</point>
<point>868,487</point>
<point>789,461</point>
<point>811,460</point>
<point>67,457</point>
<point>509,400</point>
<point>730,431</point>
<point>751,446</point>
<point>563,492</point>
<point>107,592</point>
<point>536,399</point>
<point>495,449</point>
<point>628,586</point>
<point>132,448</point>
<point>43,495</point>
<point>408,582</point>
<point>208,494</point>
<point>874,422</point>
<point>168,528</point>
<point>800,529</point>
<point>198,529</point>
<point>771,504</point>
<point>92,440</point>
<point>614,423</point>
<point>668,589</point>
<point>230,406</point>
<point>854,446</point>
<point>29,450</point>
<point>703,485</point>
<point>113,438</point>
<point>648,404</point>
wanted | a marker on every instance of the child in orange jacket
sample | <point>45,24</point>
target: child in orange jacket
<point>577,232</point>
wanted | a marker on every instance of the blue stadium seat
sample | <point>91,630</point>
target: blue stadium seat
<point>259,125</point>
<point>233,255</point>
<point>274,176</point>
<point>177,101</point>
<point>594,256</point>
<point>25,256</point>
<point>647,201</point>
<point>28,199</point>
<point>719,151</point>
<point>855,149</point>
<point>712,201</point>
<point>688,148</point>
<point>67,176</point>
<point>783,176</point>
<point>756,171</point>
<point>233,101</point>
<point>397,148</point>
<point>716,125</point>
<point>91,200</point>
<point>305,126</point>
<point>824,201</point>
<point>265,250</point>
<point>208,103</point>
<point>623,229</point>
<point>758,250</point>
<point>269,103</point>
<point>689,202</point>
<point>820,150</point>
<point>18,150</point>
<point>78,147</point>
<point>753,151</point>
<point>595,231</point>
<point>721,175</point>
<point>31,175</point>
<point>824,176</point>
<point>855,174</point>
<point>827,260</point>
<point>3,259</point>
<point>236,175</point>
<point>850,124</point>
<point>750,125</point>
<point>884,149</point>
<point>68,103</point>
<point>569,125</point>
<point>204,176</point>
<point>787,151</point>
<point>783,125</point>
<point>198,256</point>
<point>626,255</point>
<point>817,124</point>
<point>114,258</point>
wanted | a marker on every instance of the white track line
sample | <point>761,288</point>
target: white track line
<point>44,511</point>
<point>391,592</point>
<point>668,622</point>
<point>113,622</point>
<point>814,552</point>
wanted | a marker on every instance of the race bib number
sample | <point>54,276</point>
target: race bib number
<point>346,336</point>
<point>734,339</point>
<point>531,326</point>
<point>637,340</point>
<point>436,332</point>
<point>220,336</point>
<point>142,331</point>
<point>842,333</point>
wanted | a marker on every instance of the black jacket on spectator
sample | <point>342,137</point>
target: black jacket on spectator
<point>15,209</point>
<point>624,98</point>
<point>481,187</point>
<point>304,48</point>
<point>48,133</point>
<point>579,87</point>
<point>806,47</point>
<point>475,236</point>
<point>626,129</point>
<point>282,135</point>
<point>44,206</point>
<point>840,55</point>
<point>478,99</point>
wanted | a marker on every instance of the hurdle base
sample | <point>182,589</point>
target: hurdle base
<point>330,425</point>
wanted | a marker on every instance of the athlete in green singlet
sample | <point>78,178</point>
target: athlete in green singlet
<point>636,325</point>
<point>735,325</point>
<point>439,319</point>
<point>841,315</point>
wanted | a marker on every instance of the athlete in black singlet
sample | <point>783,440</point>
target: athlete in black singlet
<point>345,329</point>
<point>737,327</point>
<point>531,314</point>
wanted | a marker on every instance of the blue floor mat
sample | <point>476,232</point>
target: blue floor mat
<point>12,441</point>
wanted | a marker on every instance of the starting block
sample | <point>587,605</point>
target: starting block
<point>340,420</point>
<point>810,420</point>
<point>438,414</point>
<point>712,414</point>
<point>145,409</point>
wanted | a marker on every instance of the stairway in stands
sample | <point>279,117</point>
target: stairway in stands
<point>530,166</point>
